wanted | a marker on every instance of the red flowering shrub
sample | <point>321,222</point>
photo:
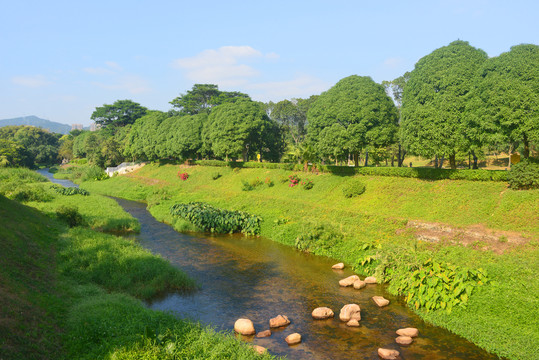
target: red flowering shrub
<point>183,176</point>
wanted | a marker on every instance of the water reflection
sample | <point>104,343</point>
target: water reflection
<point>260,279</point>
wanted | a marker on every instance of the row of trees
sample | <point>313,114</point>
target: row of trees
<point>456,101</point>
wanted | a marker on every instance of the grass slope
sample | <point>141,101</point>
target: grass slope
<point>501,317</point>
<point>74,293</point>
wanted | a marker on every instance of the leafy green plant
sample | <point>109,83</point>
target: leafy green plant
<point>524,175</point>
<point>24,192</point>
<point>209,218</point>
<point>307,184</point>
<point>294,180</point>
<point>69,190</point>
<point>94,173</point>
<point>269,182</point>
<point>216,175</point>
<point>70,215</point>
<point>319,237</point>
<point>251,185</point>
<point>353,188</point>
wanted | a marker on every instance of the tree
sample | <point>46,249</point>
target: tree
<point>40,147</point>
<point>121,113</point>
<point>396,89</point>
<point>180,136</point>
<point>435,100</point>
<point>292,119</point>
<point>203,97</point>
<point>361,107</point>
<point>506,99</point>
<point>241,129</point>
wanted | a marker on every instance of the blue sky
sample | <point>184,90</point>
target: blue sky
<point>61,59</point>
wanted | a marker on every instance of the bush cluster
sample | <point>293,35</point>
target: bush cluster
<point>69,215</point>
<point>352,188</point>
<point>319,237</point>
<point>69,190</point>
<point>209,218</point>
<point>524,175</point>
<point>250,185</point>
<point>184,176</point>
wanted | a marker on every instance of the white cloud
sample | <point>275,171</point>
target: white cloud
<point>36,81</point>
<point>131,83</point>
<point>301,86</point>
<point>224,66</point>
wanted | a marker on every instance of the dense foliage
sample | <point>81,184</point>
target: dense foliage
<point>69,190</point>
<point>209,218</point>
<point>121,113</point>
<point>524,175</point>
<point>352,188</point>
<point>27,146</point>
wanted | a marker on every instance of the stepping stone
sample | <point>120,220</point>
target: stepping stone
<point>411,332</point>
<point>293,339</point>
<point>244,327</point>
<point>321,313</point>
<point>388,354</point>
<point>380,301</point>
<point>349,281</point>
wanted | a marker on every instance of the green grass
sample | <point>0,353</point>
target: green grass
<point>500,317</point>
<point>70,293</point>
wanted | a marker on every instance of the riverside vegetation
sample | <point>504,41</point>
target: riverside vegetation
<point>484,290</point>
<point>75,292</point>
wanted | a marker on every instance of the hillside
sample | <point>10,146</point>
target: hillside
<point>32,120</point>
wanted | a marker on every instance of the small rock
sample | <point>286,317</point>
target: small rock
<point>349,280</point>
<point>350,311</point>
<point>359,284</point>
<point>260,349</point>
<point>411,332</point>
<point>293,339</point>
<point>388,354</point>
<point>370,280</point>
<point>244,327</point>
<point>338,266</point>
<point>380,301</point>
<point>404,340</point>
<point>264,333</point>
<point>321,313</point>
<point>278,321</point>
<point>353,323</point>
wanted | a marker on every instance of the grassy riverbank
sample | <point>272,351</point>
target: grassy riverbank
<point>75,293</point>
<point>373,233</point>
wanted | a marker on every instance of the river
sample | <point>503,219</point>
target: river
<point>257,278</point>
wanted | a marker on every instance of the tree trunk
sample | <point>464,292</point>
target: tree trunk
<point>366,158</point>
<point>393,160</point>
<point>356,159</point>
<point>509,160</point>
<point>442,162</point>
<point>469,160</point>
<point>436,161</point>
<point>475,166</point>
<point>399,161</point>
<point>526,152</point>
<point>452,161</point>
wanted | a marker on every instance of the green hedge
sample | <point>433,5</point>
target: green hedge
<point>419,173</point>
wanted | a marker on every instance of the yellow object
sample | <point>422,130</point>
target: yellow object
<point>258,157</point>
<point>515,158</point>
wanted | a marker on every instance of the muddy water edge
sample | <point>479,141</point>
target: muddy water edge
<point>257,278</point>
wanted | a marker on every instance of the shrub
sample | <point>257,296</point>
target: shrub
<point>251,185</point>
<point>524,175</point>
<point>93,173</point>
<point>209,218</point>
<point>319,237</point>
<point>69,215</point>
<point>294,180</point>
<point>216,175</point>
<point>24,192</point>
<point>354,187</point>
<point>69,191</point>
<point>307,184</point>
<point>269,182</point>
<point>184,176</point>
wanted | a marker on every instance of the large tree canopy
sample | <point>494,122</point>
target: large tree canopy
<point>242,129</point>
<point>363,110</point>
<point>37,146</point>
<point>121,113</point>
<point>435,101</point>
<point>203,97</point>
<point>507,98</point>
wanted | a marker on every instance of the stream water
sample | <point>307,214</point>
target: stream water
<point>257,278</point>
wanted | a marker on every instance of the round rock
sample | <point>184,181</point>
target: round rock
<point>411,332</point>
<point>388,354</point>
<point>321,313</point>
<point>260,349</point>
<point>293,339</point>
<point>353,323</point>
<point>404,340</point>
<point>350,311</point>
<point>348,281</point>
<point>359,284</point>
<point>338,266</point>
<point>370,280</point>
<point>278,321</point>
<point>244,327</point>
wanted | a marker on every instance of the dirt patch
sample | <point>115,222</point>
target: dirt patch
<point>476,236</point>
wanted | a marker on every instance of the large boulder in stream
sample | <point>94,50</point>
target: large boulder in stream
<point>321,313</point>
<point>293,339</point>
<point>279,321</point>
<point>388,354</point>
<point>380,301</point>
<point>349,281</point>
<point>370,280</point>
<point>350,311</point>
<point>359,284</point>
<point>244,327</point>
<point>411,332</point>
<point>338,266</point>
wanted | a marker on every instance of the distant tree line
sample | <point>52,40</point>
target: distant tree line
<point>456,103</point>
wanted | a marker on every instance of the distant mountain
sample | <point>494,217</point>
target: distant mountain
<point>37,122</point>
